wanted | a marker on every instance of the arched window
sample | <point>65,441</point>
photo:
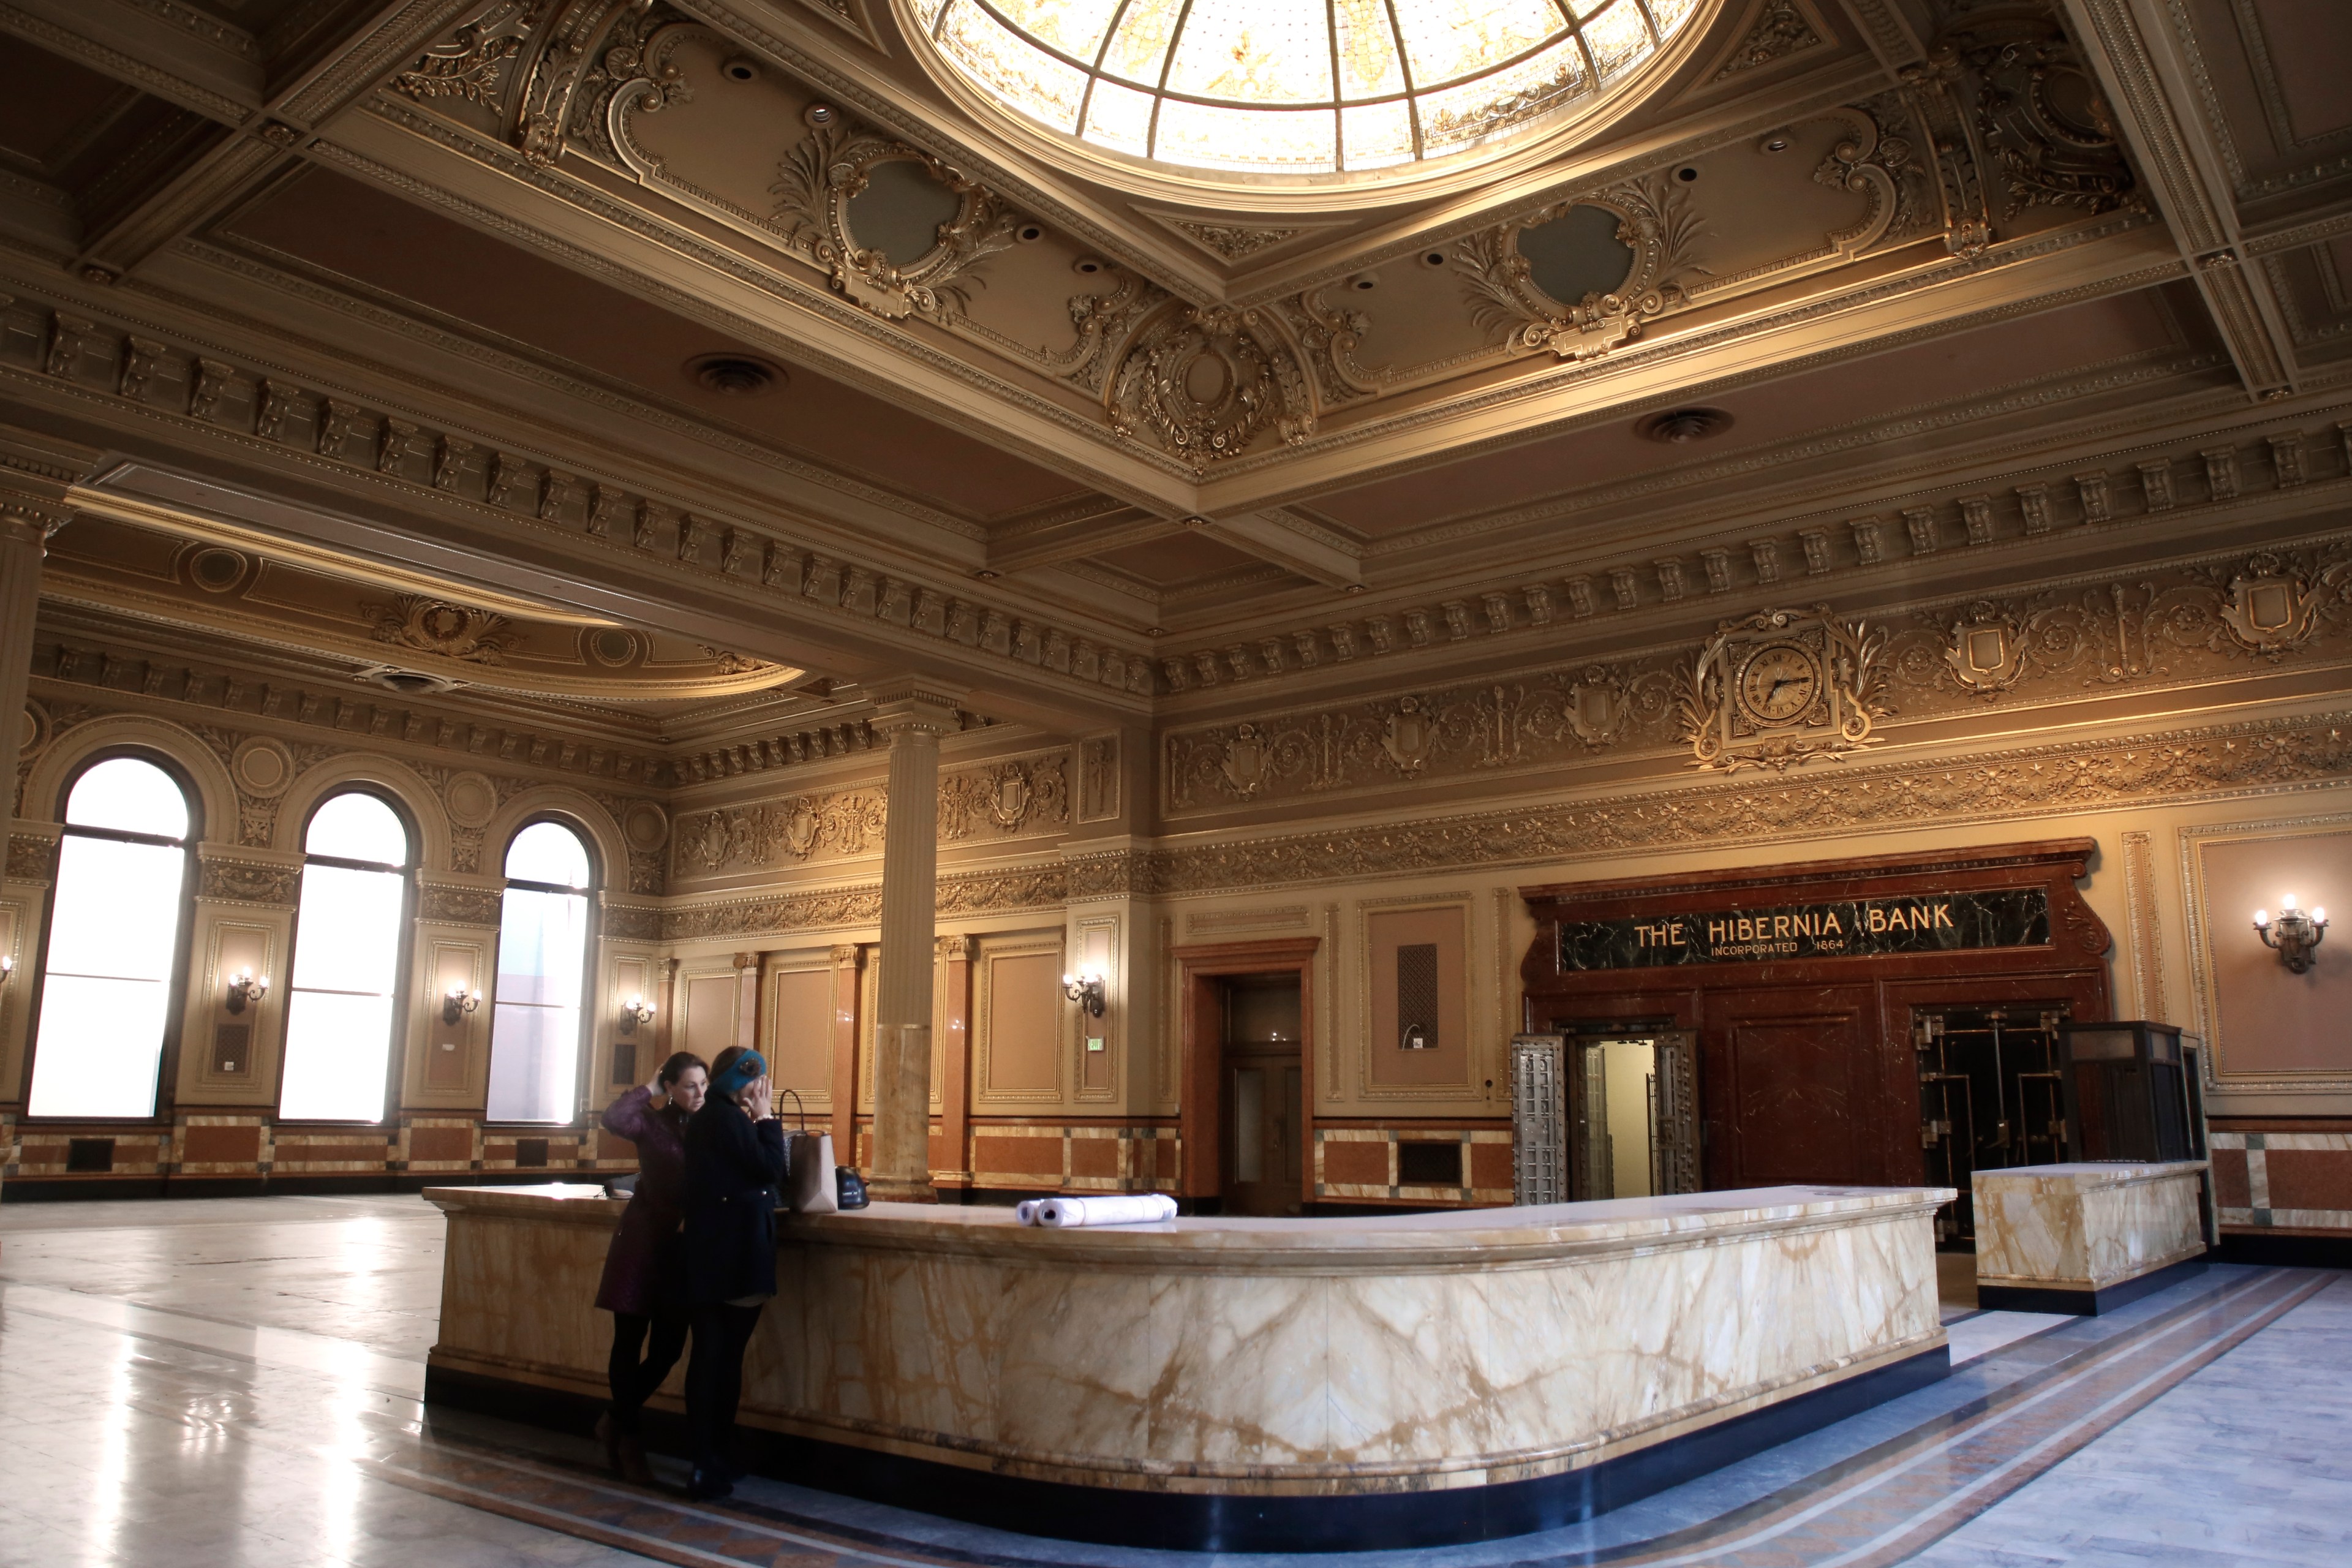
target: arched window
<point>114,942</point>
<point>543,973</point>
<point>347,949</point>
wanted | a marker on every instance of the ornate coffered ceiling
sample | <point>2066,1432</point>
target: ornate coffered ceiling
<point>724,316</point>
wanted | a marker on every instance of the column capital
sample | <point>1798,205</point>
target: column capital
<point>911,704</point>
<point>26,521</point>
<point>955,949</point>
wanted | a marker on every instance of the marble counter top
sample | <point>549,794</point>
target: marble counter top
<point>1264,1358</point>
<point>2073,1238</point>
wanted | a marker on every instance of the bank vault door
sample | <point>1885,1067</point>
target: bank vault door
<point>1989,1098</point>
<point>1633,1115</point>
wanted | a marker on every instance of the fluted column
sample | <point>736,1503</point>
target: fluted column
<point>914,715</point>
<point>25,529</point>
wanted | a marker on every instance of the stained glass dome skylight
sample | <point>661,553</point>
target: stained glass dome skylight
<point>1296,87</point>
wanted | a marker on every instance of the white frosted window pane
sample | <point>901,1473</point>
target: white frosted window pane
<point>1377,134</point>
<point>117,909</point>
<point>98,1045</point>
<point>1449,39</point>
<point>337,1049</point>
<point>358,827</point>
<point>1074,26</point>
<point>1294,141</point>
<point>1119,117</point>
<point>535,1012</point>
<point>1140,45</point>
<point>1497,104</point>
<point>1017,71</point>
<point>1670,15</point>
<point>347,937</point>
<point>1368,63</point>
<point>548,852</point>
<point>129,797</point>
<point>1620,40</point>
<point>534,1056</point>
<point>1255,51</point>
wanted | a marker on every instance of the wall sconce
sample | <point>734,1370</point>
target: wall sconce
<point>1084,989</point>
<point>456,1002</point>
<point>8,967</point>
<point>243,988</point>
<point>2294,935</point>
<point>634,1011</point>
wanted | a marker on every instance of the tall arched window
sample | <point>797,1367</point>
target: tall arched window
<point>114,942</point>
<point>543,973</point>
<point>347,948</point>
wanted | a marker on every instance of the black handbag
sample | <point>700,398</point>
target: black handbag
<point>849,1186</point>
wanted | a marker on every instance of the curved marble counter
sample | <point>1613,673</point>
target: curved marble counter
<point>1524,1364</point>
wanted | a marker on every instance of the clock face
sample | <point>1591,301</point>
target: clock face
<point>1779,682</point>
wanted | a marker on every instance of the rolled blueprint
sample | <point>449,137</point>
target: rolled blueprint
<point>1142,1208</point>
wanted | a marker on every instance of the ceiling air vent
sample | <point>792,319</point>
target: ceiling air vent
<point>735,375</point>
<point>1680,426</point>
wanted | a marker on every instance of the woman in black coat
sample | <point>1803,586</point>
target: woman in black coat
<point>734,1161</point>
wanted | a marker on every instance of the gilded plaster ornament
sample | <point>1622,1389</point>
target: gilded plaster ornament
<point>472,62</point>
<point>2270,608</point>
<point>1406,735</point>
<point>1206,380</point>
<point>830,168</point>
<point>436,626</point>
<point>1782,688</point>
<point>1654,219</point>
<point>1988,649</point>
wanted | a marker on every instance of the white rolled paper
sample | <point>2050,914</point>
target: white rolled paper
<point>1025,1211</point>
<point>1142,1208</point>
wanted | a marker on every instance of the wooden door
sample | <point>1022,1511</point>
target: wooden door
<point>1794,1081</point>
<point>1264,1101</point>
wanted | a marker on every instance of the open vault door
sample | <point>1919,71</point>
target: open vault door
<point>1633,1115</point>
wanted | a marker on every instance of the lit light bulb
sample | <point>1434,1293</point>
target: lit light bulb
<point>2319,915</point>
<point>2286,904</point>
<point>2261,917</point>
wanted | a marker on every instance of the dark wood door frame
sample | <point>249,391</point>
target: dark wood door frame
<point>2070,969</point>
<point>1200,1087</point>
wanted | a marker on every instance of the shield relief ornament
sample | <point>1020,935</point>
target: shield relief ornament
<point>1406,735</point>
<point>1244,761</point>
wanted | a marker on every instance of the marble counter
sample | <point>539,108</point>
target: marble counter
<point>2085,1237</point>
<point>1557,1356</point>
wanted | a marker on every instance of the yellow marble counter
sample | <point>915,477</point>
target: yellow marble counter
<point>1253,1357</point>
<point>2077,1237</point>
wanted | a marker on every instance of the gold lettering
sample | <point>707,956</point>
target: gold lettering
<point>1780,926</point>
<point>1674,935</point>
<point>1715,932</point>
<point>1878,918</point>
<point>1944,916</point>
<point>1832,925</point>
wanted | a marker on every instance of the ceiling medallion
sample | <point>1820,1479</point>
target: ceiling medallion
<point>735,374</point>
<point>1783,686</point>
<point>894,227</point>
<point>1292,100</point>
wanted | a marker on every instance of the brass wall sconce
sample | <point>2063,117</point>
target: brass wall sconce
<point>634,1011</point>
<point>2295,936</point>
<point>244,988</point>
<point>456,1002</point>
<point>1084,989</point>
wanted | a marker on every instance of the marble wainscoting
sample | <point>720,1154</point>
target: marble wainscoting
<point>2085,1238</point>
<point>1261,1383</point>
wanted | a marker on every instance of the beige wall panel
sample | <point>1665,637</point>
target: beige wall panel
<point>233,1059</point>
<point>448,1064</point>
<point>1423,949</point>
<point>2266,1022</point>
<point>799,1030</point>
<point>708,1018</point>
<point>1020,1006</point>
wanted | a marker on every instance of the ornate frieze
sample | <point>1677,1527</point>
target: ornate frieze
<point>247,882</point>
<point>452,904</point>
<point>1781,688</point>
<point>960,895</point>
<point>32,857</point>
<point>1004,800</point>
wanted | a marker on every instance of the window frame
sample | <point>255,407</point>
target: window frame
<point>396,1051</point>
<point>592,940</point>
<point>175,1005</point>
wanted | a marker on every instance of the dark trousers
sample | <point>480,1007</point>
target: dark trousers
<point>714,1381</point>
<point>636,1369</point>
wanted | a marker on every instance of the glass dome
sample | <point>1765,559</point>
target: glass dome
<point>1297,87</point>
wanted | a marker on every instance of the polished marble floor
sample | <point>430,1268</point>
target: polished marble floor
<point>237,1381</point>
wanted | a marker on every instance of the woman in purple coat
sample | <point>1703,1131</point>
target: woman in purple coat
<point>641,1269</point>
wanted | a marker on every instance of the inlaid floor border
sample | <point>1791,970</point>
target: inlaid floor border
<point>1869,1510</point>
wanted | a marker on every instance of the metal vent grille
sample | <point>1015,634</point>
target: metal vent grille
<point>1417,997</point>
<point>1538,1119</point>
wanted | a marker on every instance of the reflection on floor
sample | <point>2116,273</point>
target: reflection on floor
<point>235,1381</point>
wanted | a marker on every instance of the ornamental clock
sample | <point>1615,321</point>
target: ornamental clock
<point>1781,688</point>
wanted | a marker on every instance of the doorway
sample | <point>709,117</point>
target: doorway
<point>1263,1094</point>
